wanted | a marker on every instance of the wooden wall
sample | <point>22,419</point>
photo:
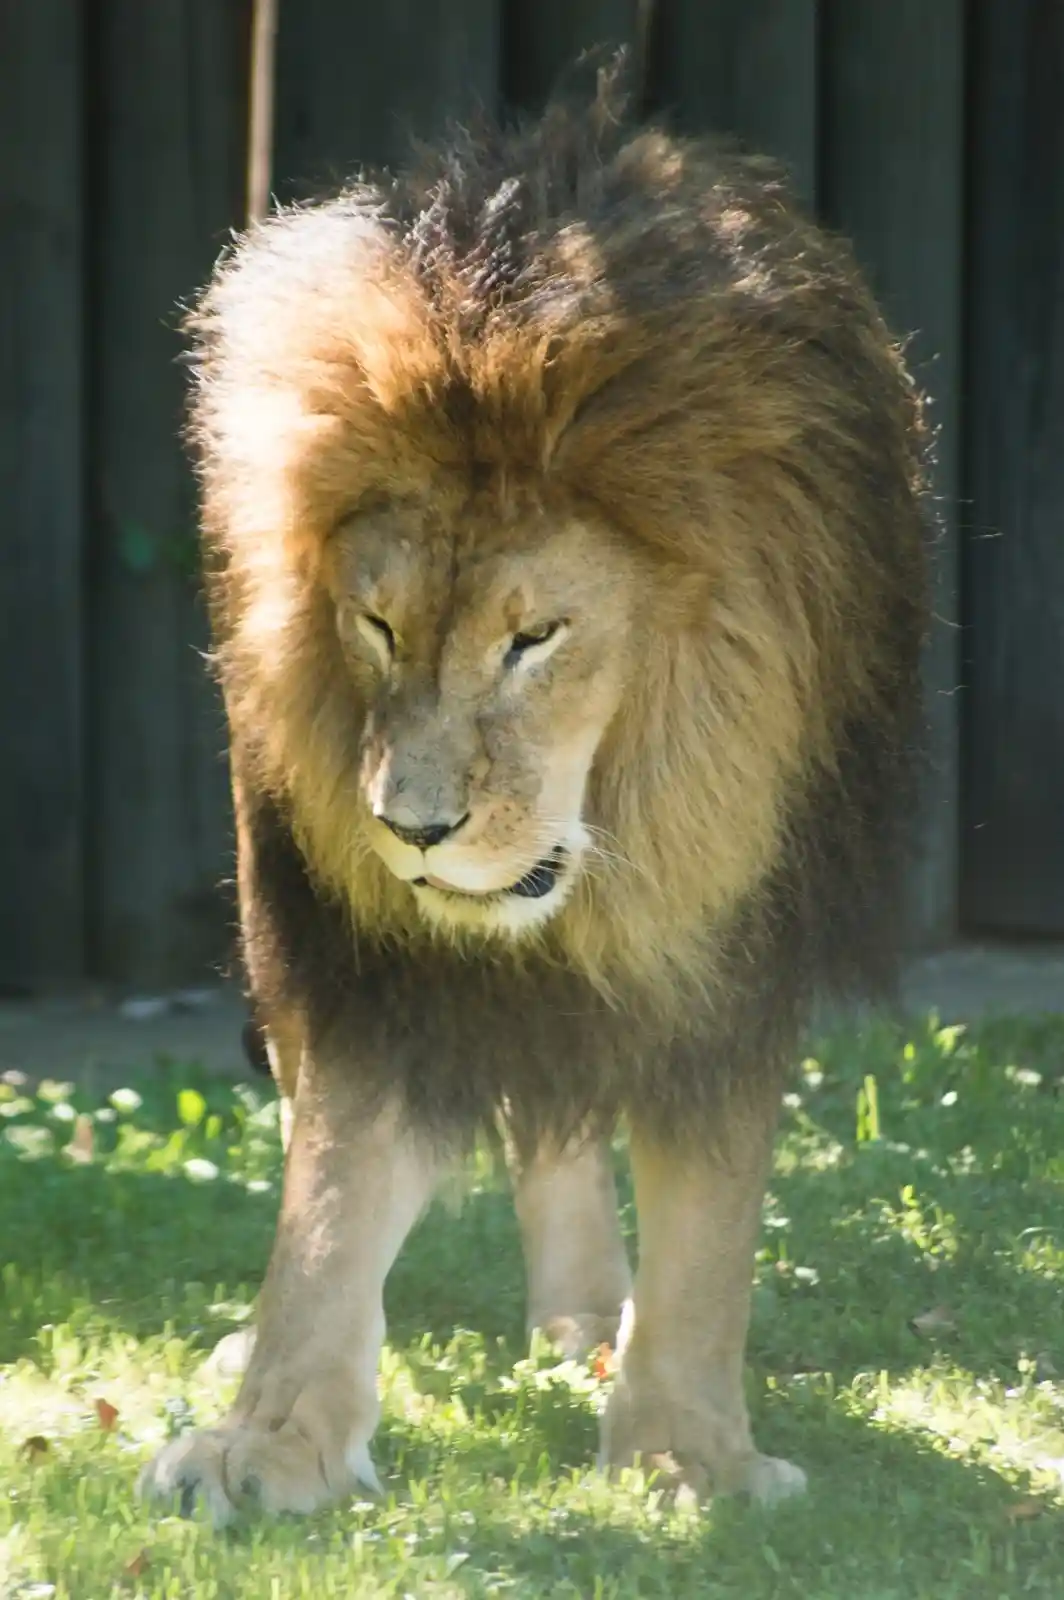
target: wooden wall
<point>121,170</point>
<point>42,508</point>
<point>1013,776</point>
<point>167,138</point>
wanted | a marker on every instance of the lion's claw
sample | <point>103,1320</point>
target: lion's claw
<point>192,1467</point>
<point>228,1468</point>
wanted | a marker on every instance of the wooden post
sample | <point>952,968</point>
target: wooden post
<point>746,67</point>
<point>892,179</point>
<point>1014,554</point>
<point>260,119</point>
<point>41,466</point>
<point>170,149</point>
<point>354,81</point>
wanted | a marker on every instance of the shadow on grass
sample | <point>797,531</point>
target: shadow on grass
<point>125,1252</point>
<point>954,1209</point>
<point>886,1518</point>
<point>957,1204</point>
<point>867,1246</point>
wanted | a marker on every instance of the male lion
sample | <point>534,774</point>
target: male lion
<point>563,509</point>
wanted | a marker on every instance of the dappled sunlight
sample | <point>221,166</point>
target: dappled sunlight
<point>117,1230</point>
<point>1011,1430</point>
<point>905,1348</point>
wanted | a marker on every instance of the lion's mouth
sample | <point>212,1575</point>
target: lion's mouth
<point>533,886</point>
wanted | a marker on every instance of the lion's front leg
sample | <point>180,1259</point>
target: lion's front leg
<point>576,1265</point>
<point>298,1435</point>
<point>678,1404</point>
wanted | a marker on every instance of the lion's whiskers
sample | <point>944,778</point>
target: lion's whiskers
<point>596,851</point>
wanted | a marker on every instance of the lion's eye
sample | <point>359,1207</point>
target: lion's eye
<point>379,625</point>
<point>377,634</point>
<point>528,644</point>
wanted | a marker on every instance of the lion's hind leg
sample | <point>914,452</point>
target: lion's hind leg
<point>576,1265</point>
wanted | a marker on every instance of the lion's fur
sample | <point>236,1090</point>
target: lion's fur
<point>643,332</point>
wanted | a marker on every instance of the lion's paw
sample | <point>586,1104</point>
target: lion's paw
<point>242,1465</point>
<point>770,1479</point>
<point>693,1450</point>
<point>232,1355</point>
<point>688,1481</point>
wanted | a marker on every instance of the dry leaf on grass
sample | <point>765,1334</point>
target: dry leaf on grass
<point>939,1319</point>
<point>137,1565</point>
<point>602,1362</point>
<point>106,1415</point>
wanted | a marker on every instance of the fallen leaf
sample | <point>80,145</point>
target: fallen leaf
<point>1025,1510</point>
<point>939,1319</point>
<point>106,1414</point>
<point>137,1565</point>
<point>602,1362</point>
<point>34,1447</point>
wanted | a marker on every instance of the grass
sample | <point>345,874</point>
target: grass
<point>906,1341</point>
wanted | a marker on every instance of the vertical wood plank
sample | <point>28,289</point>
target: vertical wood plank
<point>169,140</point>
<point>1014,556</point>
<point>892,178</point>
<point>355,81</point>
<point>544,38</point>
<point>749,68</point>
<point>41,110</point>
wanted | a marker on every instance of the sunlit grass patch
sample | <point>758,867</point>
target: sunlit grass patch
<point>906,1348</point>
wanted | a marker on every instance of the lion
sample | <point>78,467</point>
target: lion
<point>564,515</point>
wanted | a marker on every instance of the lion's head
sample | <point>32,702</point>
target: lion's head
<point>560,541</point>
<point>489,645</point>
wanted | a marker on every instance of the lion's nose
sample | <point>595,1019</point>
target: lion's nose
<point>424,835</point>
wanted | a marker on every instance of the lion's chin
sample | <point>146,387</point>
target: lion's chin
<point>511,913</point>
<point>536,884</point>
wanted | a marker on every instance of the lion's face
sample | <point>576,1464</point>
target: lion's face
<point>490,660</point>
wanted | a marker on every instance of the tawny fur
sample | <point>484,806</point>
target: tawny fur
<point>613,396</point>
<point>643,335</point>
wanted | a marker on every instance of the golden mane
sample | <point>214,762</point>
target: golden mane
<point>647,331</point>
<point>626,370</point>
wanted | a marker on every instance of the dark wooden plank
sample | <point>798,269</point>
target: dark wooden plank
<point>746,67</point>
<point>1014,813</point>
<point>41,108</point>
<point>355,81</point>
<point>169,147</point>
<point>892,178</point>
<point>544,38</point>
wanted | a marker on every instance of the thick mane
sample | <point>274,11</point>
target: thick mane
<point>645,330</point>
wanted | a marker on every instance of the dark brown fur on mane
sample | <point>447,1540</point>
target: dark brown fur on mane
<point>648,327</point>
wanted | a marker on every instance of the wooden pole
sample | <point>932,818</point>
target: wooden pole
<point>644,45</point>
<point>260,120</point>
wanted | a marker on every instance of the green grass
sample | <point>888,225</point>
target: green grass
<point>936,1456</point>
